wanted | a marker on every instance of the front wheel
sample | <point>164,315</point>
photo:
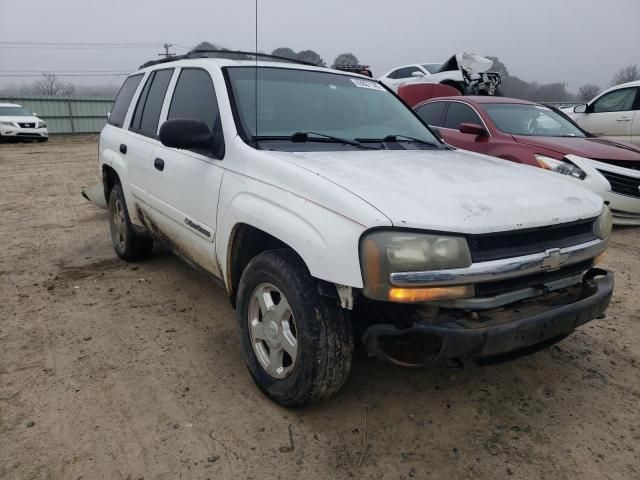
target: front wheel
<point>297,344</point>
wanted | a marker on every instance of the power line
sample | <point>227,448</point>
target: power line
<point>2,75</point>
<point>89,44</point>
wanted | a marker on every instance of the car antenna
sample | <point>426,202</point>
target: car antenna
<point>256,74</point>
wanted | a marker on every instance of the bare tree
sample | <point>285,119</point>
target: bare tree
<point>626,74</point>
<point>587,92</point>
<point>50,84</point>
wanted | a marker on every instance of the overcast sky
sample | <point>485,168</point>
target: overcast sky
<point>573,41</point>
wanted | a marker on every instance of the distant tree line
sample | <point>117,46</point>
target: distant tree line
<point>512,86</point>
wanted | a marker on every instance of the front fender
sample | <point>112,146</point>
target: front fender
<point>325,240</point>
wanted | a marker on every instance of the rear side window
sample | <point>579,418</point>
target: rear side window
<point>460,113</point>
<point>123,99</point>
<point>194,97</point>
<point>147,113</point>
<point>431,113</point>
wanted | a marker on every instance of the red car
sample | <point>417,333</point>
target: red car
<point>537,135</point>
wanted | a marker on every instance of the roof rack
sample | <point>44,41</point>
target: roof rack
<point>205,53</point>
<point>354,68</point>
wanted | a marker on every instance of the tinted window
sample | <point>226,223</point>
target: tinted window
<point>406,72</point>
<point>194,97</point>
<point>150,103</point>
<point>394,74</point>
<point>123,99</point>
<point>137,113</point>
<point>616,101</point>
<point>460,113</point>
<point>432,67</point>
<point>431,113</point>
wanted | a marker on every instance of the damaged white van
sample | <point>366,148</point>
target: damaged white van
<point>333,215</point>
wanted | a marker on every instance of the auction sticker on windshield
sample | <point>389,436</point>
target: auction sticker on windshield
<point>367,84</point>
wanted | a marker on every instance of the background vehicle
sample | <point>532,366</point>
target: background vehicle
<point>533,134</point>
<point>16,123</point>
<point>614,114</point>
<point>466,72</point>
<point>308,203</point>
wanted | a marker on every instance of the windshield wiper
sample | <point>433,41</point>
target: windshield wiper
<point>396,137</point>
<point>305,137</point>
<point>302,137</point>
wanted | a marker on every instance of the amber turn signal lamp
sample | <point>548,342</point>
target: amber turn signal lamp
<point>410,295</point>
<point>598,259</point>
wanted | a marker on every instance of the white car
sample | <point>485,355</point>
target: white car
<point>325,203</point>
<point>466,72</point>
<point>17,123</point>
<point>614,114</point>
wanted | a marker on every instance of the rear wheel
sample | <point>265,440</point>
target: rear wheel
<point>297,344</point>
<point>128,245</point>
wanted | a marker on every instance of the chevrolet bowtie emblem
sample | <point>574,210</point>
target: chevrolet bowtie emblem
<point>553,259</point>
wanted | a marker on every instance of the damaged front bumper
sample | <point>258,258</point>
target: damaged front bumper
<point>518,328</point>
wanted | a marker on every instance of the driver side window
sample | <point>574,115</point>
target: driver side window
<point>459,113</point>
<point>616,101</point>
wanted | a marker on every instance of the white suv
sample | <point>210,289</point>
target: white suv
<point>17,123</point>
<point>326,207</point>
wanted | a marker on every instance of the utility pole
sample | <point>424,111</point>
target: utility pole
<point>166,53</point>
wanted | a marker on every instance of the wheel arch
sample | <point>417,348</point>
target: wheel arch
<point>244,244</point>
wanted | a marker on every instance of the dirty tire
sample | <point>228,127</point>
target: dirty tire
<point>126,242</point>
<point>42,140</point>
<point>323,331</point>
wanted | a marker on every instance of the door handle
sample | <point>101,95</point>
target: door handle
<point>123,149</point>
<point>623,119</point>
<point>158,163</point>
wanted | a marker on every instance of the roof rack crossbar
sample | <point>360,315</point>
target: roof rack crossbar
<point>203,53</point>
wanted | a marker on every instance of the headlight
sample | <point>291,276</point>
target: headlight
<point>41,125</point>
<point>560,166</point>
<point>604,224</point>
<point>386,252</point>
<point>8,124</point>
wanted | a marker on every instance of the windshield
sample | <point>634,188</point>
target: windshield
<point>432,67</point>
<point>14,112</point>
<point>320,103</point>
<point>532,120</point>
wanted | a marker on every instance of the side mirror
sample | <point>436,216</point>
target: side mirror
<point>186,133</point>
<point>417,74</point>
<point>473,129</point>
<point>580,109</point>
<point>108,116</point>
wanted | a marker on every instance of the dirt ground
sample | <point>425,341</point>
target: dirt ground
<point>114,371</point>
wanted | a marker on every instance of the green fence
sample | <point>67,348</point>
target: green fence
<point>67,114</point>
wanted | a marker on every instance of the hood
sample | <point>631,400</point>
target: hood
<point>452,191</point>
<point>594,148</point>
<point>21,119</point>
